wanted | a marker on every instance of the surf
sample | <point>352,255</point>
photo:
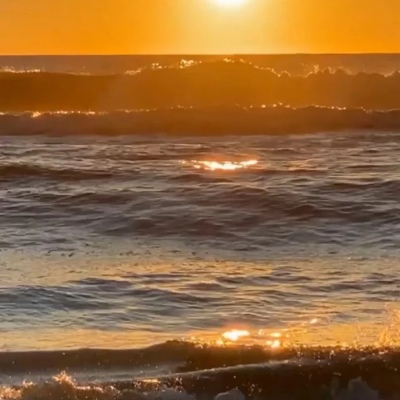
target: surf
<point>196,84</point>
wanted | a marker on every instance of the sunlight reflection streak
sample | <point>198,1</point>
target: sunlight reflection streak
<point>220,165</point>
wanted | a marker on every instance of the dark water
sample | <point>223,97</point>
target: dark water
<point>258,243</point>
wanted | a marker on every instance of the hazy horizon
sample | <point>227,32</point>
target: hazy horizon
<point>201,54</point>
<point>199,27</point>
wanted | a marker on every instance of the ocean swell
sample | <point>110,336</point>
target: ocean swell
<point>18,171</point>
<point>196,84</point>
<point>232,120</point>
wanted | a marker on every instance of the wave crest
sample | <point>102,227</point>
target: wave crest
<point>196,84</point>
<point>331,374</point>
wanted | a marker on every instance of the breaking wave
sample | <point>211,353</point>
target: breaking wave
<point>227,373</point>
<point>196,84</point>
<point>64,387</point>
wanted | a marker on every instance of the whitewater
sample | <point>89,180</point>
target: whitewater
<point>199,227</point>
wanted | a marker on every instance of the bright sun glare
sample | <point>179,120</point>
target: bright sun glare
<point>230,3</point>
<point>220,165</point>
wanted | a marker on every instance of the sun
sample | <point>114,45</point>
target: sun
<point>230,3</point>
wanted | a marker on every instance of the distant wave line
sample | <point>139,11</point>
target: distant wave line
<point>227,120</point>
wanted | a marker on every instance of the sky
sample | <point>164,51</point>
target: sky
<point>198,26</point>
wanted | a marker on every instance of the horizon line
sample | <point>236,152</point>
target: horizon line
<point>195,54</point>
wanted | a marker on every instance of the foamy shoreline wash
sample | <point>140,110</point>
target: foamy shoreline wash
<point>206,373</point>
<point>63,385</point>
<point>328,375</point>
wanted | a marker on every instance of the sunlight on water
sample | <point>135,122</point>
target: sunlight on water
<point>315,332</point>
<point>235,335</point>
<point>312,332</point>
<point>272,340</point>
<point>274,344</point>
<point>220,165</point>
<point>275,339</point>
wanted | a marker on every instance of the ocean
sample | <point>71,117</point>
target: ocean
<point>198,227</point>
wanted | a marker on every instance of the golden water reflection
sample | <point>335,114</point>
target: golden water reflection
<point>213,165</point>
<point>235,335</point>
<point>273,340</point>
<point>315,333</point>
<point>312,333</point>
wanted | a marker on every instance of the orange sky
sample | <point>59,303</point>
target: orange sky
<point>198,26</point>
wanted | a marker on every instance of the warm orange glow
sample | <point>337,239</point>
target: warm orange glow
<point>235,335</point>
<point>274,344</point>
<point>230,3</point>
<point>221,165</point>
<point>198,26</point>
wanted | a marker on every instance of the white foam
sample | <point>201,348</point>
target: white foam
<point>63,387</point>
<point>234,394</point>
<point>356,389</point>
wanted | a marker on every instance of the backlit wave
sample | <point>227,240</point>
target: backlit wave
<point>229,374</point>
<point>197,84</point>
